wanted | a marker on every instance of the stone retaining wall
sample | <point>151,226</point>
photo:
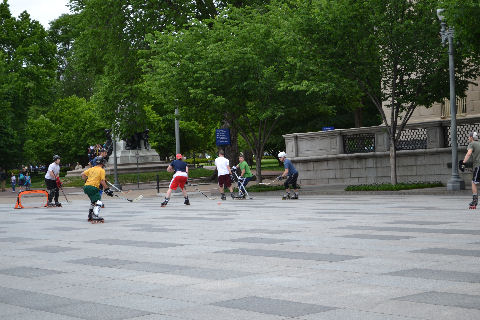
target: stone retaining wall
<point>320,157</point>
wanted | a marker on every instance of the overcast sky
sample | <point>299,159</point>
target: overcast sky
<point>43,11</point>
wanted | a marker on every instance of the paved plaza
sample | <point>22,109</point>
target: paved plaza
<point>321,257</point>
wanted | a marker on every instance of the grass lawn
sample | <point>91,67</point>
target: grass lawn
<point>270,165</point>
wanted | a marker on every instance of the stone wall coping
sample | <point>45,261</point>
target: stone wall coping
<point>381,128</point>
<point>376,154</point>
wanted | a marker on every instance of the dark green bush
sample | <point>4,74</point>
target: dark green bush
<point>396,187</point>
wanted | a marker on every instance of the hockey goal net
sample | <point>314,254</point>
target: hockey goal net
<point>32,199</point>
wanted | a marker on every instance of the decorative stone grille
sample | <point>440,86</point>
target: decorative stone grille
<point>463,130</point>
<point>412,139</point>
<point>359,143</point>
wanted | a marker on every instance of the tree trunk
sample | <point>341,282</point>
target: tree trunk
<point>393,162</point>
<point>258,165</point>
<point>358,117</point>
<point>248,156</point>
<point>231,151</point>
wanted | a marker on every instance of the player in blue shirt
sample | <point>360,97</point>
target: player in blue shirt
<point>180,177</point>
<point>291,174</point>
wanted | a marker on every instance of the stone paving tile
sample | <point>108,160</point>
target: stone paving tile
<point>425,311</point>
<point>220,313</point>
<point>447,251</point>
<point>16,239</point>
<point>51,249</point>
<point>148,304</point>
<point>445,299</point>
<point>133,243</point>
<point>261,240</point>
<point>101,262</point>
<point>376,237</point>
<point>273,306</point>
<point>194,272</point>
<point>289,255</point>
<point>27,272</point>
<point>38,315</point>
<point>438,275</point>
<point>352,314</point>
<point>413,230</point>
<point>65,229</point>
<point>420,222</point>
<point>32,300</point>
<point>94,311</point>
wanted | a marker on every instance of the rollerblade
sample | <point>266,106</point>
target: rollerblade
<point>223,196</point>
<point>58,204</point>
<point>93,218</point>
<point>187,202</point>
<point>473,204</point>
<point>164,203</point>
<point>232,195</point>
<point>286,196</point>
<point>50,205</point>
<point>295,196</point>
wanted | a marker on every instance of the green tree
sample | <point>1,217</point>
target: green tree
<point>27,72</point>
<point>463,16</point>
<point>388,51</point>
<point>67,129</point>
<point>230,69</point>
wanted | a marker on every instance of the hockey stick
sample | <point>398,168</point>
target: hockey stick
<point>196,189</point>
<point>269,183</point>
<point>140,197</point>
<point>61,188</point>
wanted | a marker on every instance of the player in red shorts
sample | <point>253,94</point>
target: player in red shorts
<point>180,177</point>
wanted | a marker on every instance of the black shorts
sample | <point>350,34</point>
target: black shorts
<point>291,180</point>
<point>476,175</point>
<point>224,181</point>
<point>51,184</point>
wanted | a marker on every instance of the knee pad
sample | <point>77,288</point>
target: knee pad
<point>98,206</point>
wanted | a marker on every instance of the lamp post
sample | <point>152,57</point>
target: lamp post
<point>455,182</point>
<point>177,133</point>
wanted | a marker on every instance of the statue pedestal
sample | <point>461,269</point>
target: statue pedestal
<point>148,161</point>
<point>125,156</point>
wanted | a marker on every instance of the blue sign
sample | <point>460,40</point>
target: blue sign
<point>328,128</point>
<point>222,137</point>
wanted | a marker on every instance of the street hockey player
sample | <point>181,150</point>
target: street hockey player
<point>474,152</point>
<point>291,174</point>
<point>94,177</point>
<point>224,172</point>
<point>180,177</point>
<point>51,177</point>
<point>102,153</point>
<point>245,175</point>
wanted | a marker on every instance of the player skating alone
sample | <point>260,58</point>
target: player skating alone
<point>51,176</point>
<point>291,174</point>
<point>95,176</point>
<point>474,152</point>
<point>224,172</point>
<point>180,177</point>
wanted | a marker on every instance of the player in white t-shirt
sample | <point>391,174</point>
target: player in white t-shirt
<point>224,172</point>
<point>51,181</point>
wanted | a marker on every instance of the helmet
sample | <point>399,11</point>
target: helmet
<point>179,156</point>
<point>100,160</point>
<point>56,157</point>
<point>282,155</point>
<point>474,135</point>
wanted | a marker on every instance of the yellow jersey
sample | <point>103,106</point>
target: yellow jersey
<point>94,176</point>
